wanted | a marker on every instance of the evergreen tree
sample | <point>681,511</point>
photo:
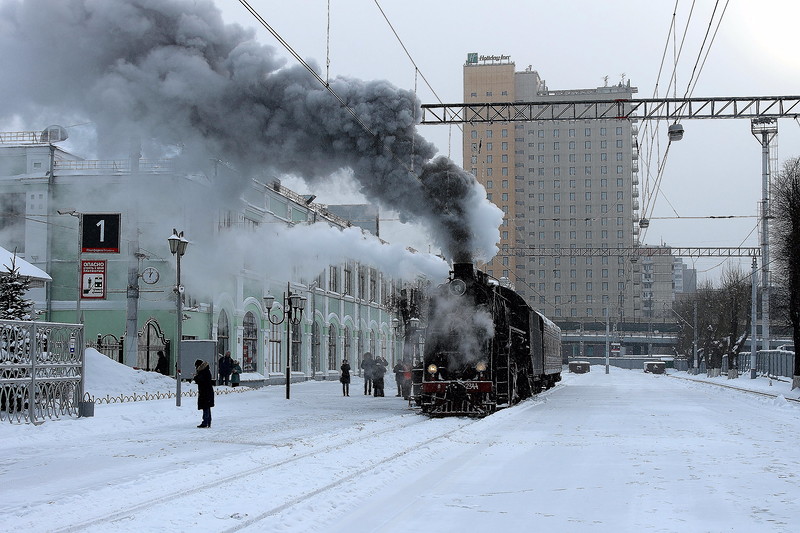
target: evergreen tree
<point>13,286</point>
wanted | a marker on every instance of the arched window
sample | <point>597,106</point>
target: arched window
<point>348,348</point>
<point>316,345</point>
<point>372,347</point>
<point>332,340</point>
<point>275,352</point>
<point>249,343</point>
<point>360,347</point>
<point>296,347</point>
<point>223,334</point>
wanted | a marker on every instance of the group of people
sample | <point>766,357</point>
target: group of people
<point>374,369</point>
<point>229,371</point>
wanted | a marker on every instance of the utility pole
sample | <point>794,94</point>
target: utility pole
<point>695,362</point>
<point>753,319</point>
<point>608,342</point>
<point>765,130</point>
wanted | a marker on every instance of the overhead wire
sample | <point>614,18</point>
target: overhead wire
<point>695,75</point>
<point>352,112</point>
<point>695,72</point>
<point>417,71</point>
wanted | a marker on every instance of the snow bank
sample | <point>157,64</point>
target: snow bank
<point>106,377</point>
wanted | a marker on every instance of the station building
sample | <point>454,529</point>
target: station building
<point>100,229</point>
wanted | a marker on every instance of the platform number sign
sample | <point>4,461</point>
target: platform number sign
<point>100,233</point>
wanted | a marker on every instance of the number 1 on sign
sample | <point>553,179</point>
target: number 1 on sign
<point>102,225</point>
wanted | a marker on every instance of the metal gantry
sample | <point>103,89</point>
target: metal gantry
<point>747,107</point>
<point>635,251</point>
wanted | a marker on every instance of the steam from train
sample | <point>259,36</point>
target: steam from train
<point>457,324</point>
<point>172,74</point>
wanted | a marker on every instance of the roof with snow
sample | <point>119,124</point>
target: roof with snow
<point>25,268</point>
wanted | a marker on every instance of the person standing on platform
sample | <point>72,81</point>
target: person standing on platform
<point>367,365</point>
<point>205,391</point>
<point>344,378</point>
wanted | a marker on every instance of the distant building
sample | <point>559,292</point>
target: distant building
<point>561,184</point>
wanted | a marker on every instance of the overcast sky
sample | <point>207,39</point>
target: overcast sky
<point>714,170</point>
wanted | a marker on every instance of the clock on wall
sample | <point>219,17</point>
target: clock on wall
<point>150,275</point>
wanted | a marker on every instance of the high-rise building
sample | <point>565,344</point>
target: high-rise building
<point>561,184</point>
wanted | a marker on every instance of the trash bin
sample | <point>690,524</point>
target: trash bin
<point>655,367</point>
<point>579,367</point>
<point>86,406</point>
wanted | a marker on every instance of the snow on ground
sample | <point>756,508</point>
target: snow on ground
<point>626,451</point>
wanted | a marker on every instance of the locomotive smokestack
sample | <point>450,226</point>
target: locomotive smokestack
<point>463,271</point>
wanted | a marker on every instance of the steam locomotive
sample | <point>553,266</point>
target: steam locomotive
<point>485,347</point>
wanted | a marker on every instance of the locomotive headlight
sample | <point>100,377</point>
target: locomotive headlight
<point>458,287</point>
<point>432,369</point>
<point>481,366</point>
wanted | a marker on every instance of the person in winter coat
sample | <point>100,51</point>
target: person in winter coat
<point>406,378</point>
<point>344,378</point>
<point>224,369</point>
<point>367,365</point>
<point>162,367</point>
<point>398,377</point>
<point>236,371</point>
<point>205,391</point>
<point>378,371</point>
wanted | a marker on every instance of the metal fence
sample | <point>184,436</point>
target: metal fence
<point>42,370</point>
<point>776,363</point>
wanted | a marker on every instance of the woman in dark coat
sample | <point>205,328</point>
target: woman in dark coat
<point>162,367</point>
<point>345,378</point>
<point>205,391</point>
<point>378,371</point>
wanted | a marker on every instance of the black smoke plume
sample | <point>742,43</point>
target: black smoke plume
<point>173,74</point>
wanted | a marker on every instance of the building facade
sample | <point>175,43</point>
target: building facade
<point>100,229</point>
<point>561,184</point>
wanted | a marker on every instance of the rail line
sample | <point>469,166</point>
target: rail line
<point>739,389</point>
<point>242,476</point>
<point>530,403</point>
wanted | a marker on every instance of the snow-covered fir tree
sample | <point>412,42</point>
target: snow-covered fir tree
<point>13,286</point>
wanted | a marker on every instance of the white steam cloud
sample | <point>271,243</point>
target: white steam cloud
<point>459,328</point>
<point>173,74</point>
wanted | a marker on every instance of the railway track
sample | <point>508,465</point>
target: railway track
<point>276,471</point>
<point>457,456</point>
<point>739,389</point>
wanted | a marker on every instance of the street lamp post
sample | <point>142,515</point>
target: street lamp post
<point>396,329</point>
<point>79,216</point>
<point>293,305</point>
<point>177,245</point>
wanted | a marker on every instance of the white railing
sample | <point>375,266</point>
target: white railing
<point>41,370</point>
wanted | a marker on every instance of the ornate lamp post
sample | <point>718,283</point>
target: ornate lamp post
<point>413,337</point>
<point>293,305</point>
<point>177,245</point>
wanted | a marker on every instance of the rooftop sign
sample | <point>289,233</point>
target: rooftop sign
<point>474,57</point>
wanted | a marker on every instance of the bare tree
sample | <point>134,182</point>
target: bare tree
<point>723,321</point>
<point>735,309</point>
<point>786,228</point>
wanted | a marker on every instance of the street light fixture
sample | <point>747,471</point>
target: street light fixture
<point>177,246</point>
<point>293,305</point>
